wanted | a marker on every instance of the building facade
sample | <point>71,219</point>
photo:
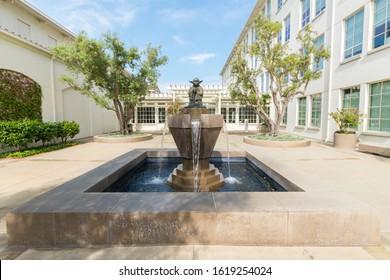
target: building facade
<point>357,32</point>
<point>25,37</point>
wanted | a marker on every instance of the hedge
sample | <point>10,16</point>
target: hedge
<point>19,134</point>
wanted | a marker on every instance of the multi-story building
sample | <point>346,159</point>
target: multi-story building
<point>357,32</point>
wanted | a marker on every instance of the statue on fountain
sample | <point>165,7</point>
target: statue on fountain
<point>195,94</point>
<point>195,127</point>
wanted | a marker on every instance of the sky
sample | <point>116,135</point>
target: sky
<point>197,36</point>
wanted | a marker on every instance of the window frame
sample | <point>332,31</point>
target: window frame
<point>287,28</point>
<point>321,62</point>
<point>380,113</point>
<point>322,5</point>
<point>354,34</point>
<point>305,20</point>
<point>313,109</point>
<point>302,117</point>
<point>377,26</point>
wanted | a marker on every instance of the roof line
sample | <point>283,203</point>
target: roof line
<point>42,16</point>
<point>243,32</point>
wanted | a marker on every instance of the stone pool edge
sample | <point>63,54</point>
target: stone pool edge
<point>67,216</point>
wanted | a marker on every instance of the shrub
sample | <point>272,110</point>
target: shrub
<point>18,134</point>
<point>44,132</point>
<point>70,130</point>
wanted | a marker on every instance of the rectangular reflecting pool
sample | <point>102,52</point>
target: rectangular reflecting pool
<point>151,176</point>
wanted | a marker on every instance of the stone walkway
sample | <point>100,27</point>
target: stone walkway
<point>363,176</point>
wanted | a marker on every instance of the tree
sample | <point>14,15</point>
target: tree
<point>115,77</point>
<point>289,72</point>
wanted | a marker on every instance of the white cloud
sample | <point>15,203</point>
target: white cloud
<point>95,17</point>
<point>199,58</point>
<point>179,40</point>
<point>177,16</point>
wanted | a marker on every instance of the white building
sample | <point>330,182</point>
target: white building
<point>25,37</point>
<point>357,74</point>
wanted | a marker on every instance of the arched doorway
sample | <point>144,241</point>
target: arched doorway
<point>20,97</point>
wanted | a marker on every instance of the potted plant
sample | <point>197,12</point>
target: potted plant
<point>346,118</point>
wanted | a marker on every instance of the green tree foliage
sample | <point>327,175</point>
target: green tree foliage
<point>20,97</point>
<point>289,72</point>
<point>115,77</point>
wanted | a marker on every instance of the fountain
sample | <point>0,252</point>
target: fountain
<point>195,132</point>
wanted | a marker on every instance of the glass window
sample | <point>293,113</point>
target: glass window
<point>146,115</point>
<point>269,8</point>
<point>351,97</point>
<point>379,110</point>
<point>305,12</point>
<point>284,120</point>
<point>302,111</point>
<point>280,36</point>
<point>161,115</point>
<point>320,6</point>
<point>247,113</point>
<point>287,29</point>
<point>212,111</point>
<point>381,32</point>
<point>316,110</point>
<point>280,4</point>
<point>318,65</point>
<point>229,115</point>
<point>354,34</point>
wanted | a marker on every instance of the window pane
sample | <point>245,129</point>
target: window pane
<point>375,100</point>
<point>348,53</point>
<point>385,125</point>
<point>380,16</point>
<point>385,112</point>
<point>349,32</point>
<point>349,43</point>
<point>379,29</point>
<point>386,87</point>
<point>380,4</point>
<point>357,50</point>
<point>373,124</point>
<point>375,113</point>
<point>376,88</point>
<point>386,100</point>
<point>379,41</point>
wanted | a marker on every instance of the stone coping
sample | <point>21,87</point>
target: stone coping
<point>377,149</point>
<point>277,144</point>
<point>76,214</point>
<point>132,139</point>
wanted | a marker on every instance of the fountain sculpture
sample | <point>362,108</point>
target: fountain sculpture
<point>195,132</point>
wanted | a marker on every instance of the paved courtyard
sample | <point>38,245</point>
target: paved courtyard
<point>365,177</point>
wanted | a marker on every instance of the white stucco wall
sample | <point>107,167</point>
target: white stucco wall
<point>30,56</point>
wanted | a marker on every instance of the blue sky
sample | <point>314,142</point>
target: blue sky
<point>197,36</point>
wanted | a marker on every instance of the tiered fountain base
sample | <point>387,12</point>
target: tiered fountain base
<point>182,176</point>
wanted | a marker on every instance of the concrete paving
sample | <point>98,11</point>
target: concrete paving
<point>365,177</point>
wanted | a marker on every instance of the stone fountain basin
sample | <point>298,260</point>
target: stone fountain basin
<point>75,214</point>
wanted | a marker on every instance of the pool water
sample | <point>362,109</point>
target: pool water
<point>151,176</point>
